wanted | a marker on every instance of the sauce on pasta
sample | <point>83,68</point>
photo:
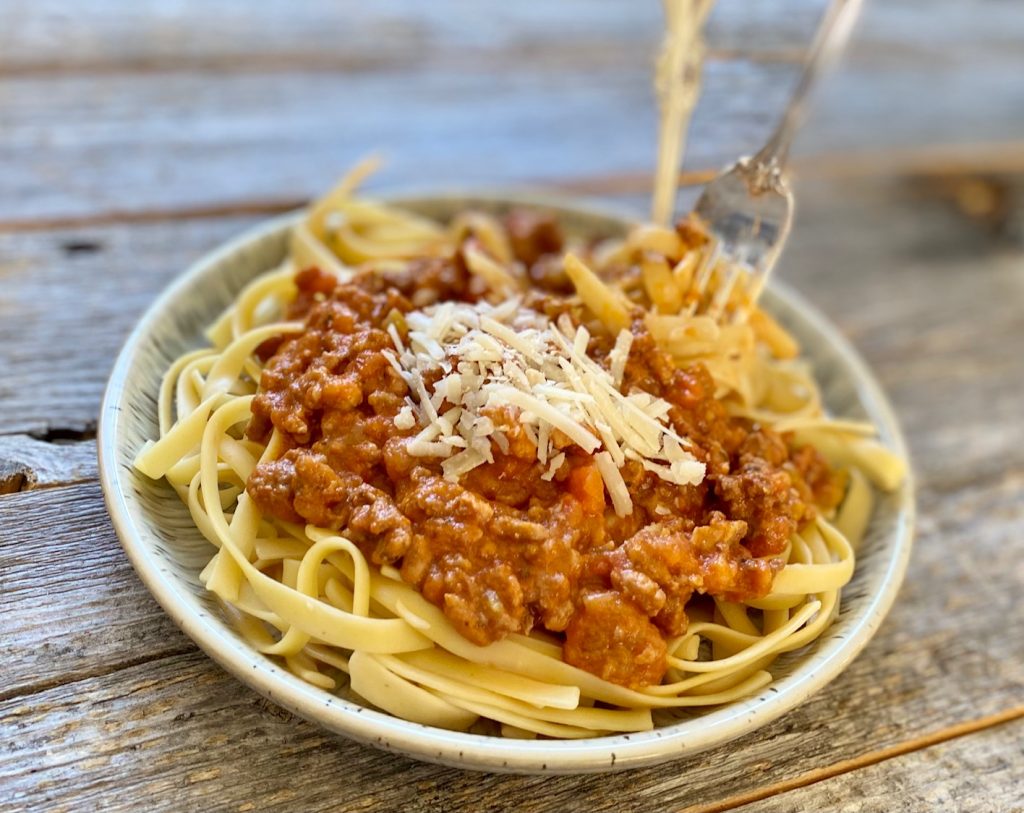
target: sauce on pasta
<point>504,549</point>
<point>483,474</point>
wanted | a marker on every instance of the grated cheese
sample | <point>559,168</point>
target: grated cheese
<point>613,481</point>
<point>535,409</point>
<point>396,338</point>
<point>620,355</point>
<point>405,419</point>
<point>513,360</point>
<point>555,465</point>
<point>461,463</point>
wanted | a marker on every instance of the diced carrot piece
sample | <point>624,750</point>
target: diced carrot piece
<point>586,485</point>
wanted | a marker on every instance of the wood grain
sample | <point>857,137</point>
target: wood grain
<point>104,35</point>
<point>455,96</point>
<point>67,302</point>
<point>980,773</point>
<point>530,101</point>
<point>72,606</point>
<point>27,463</point>
<point>174,728</point>
<point>921,73</point>
<point>183,139</point>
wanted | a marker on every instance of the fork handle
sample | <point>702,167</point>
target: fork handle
<point>833,32</point>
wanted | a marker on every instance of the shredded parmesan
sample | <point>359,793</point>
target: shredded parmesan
<point>620,355</point>
<point>492,364</point>
<point>613,481</point>
<point>405,419</point>
<point>555,465</point>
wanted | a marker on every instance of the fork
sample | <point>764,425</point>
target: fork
<point>748,209</point>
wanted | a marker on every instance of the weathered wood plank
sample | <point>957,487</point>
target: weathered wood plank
<point>72,605</point>
<point>67,301</point>
<point>920,72</point>
<point>27,463</point>
<point>225,35</point>
<point>173,730</point>
<point>509,97</point>
<point>933,302</point>
<point>282,137</point>
<point>981,773</point>
<point>199,140</point>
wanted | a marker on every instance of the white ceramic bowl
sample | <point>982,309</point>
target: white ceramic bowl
<point>168,552</point>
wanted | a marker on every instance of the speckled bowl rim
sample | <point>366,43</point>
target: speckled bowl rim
<point>827,658</point>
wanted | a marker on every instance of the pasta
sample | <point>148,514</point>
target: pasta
<point>309,596</point>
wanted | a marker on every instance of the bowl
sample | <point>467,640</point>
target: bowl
<point>168,552</point>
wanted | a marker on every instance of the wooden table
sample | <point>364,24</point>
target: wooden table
<point>134,137</point>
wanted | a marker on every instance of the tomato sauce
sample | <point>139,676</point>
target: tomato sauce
<point>503,550</point>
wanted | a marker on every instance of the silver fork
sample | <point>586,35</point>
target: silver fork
<point>748,209</point>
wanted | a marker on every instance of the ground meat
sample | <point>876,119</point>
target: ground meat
<point>816,481</point>
<point>332,367</point>
<point>272,487</point>
<point>427,280</point>
<point>764,498</point>
<point>504,550</point>
<point>533,235</point>
<point>664,563</point>
<point>613,639</point>
<point>537,243</point>
<point>695,413</point>
<point>313,286</point>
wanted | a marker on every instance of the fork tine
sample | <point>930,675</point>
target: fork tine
<point>755,286</point>
<point>712,255</point>
<point>721,299</point>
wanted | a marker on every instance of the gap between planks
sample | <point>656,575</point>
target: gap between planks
<point>129,663</point>
<point>863,761</point>
<point>333,63</point>
<point>941,161</point>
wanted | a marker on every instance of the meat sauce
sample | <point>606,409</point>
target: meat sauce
<point>503,550</point>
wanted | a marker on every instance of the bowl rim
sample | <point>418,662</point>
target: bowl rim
<point>472,751</point>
